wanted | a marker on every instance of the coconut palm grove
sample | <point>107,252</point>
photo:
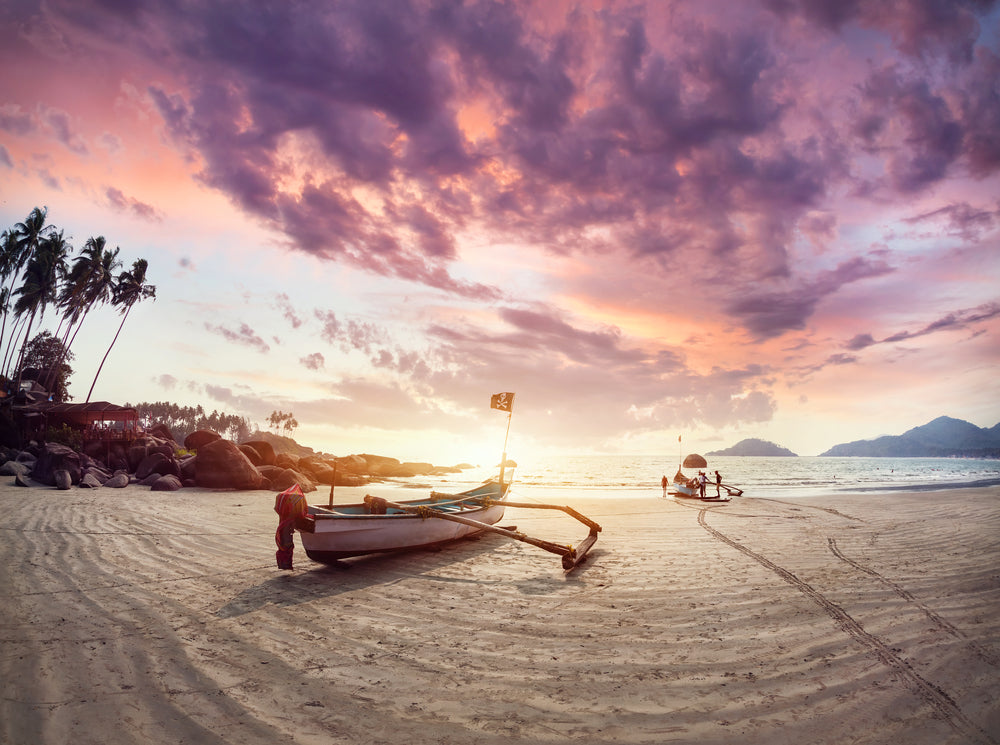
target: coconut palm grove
<point>49,289</point>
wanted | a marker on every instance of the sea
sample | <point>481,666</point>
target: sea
<point>802,476</point>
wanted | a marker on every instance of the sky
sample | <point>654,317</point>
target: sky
<point>649,220</point>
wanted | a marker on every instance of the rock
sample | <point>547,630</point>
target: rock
<point>157,463</point>
<point>20,480</point>
<point>316,468</point>
<point>62,478</point>
<point>251,452</point>
<point>379,465</point>
<point>283,478</point>
<point>286,460</point>
<point>351,479</point>
<point>187,466</point>
<point>351,464</point>
<point>118,481</point>
<point>199,438</point>
<point>55,457</point>
<point>221,465</point>
<point>160,430</point>
<point>167,483</point>
<point>13,468</point>
<point>90,481</point>
<point>265,450</point>
<point>135,455</point>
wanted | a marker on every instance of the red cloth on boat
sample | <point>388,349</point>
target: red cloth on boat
<point>290,506</point>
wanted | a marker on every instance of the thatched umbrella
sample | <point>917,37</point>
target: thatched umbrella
<point>695,461</point>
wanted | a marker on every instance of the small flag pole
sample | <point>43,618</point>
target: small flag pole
<point>503,460</point>
<point>503,402</point>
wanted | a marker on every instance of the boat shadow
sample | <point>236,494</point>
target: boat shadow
<point>313,581</point>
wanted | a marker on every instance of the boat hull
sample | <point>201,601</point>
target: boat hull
<point>350,530</point>
<point>692,492</point>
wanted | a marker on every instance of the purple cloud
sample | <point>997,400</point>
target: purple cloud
<point>245,336</point>
<point>771,313</point>
<point>958,320</point>
<point>127,204</point>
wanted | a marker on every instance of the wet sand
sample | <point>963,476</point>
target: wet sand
<point>128,616</point>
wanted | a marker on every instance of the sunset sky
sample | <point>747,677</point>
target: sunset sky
<point>714,219</point>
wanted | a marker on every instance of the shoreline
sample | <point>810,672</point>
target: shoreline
<point>130,615</point>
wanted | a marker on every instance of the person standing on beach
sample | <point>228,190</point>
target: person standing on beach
<point>702,480</point>
<point>291,508</point>
<point>663,483</point>
<point>718,484</point>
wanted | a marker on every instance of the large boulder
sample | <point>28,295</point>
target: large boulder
<point>351,464</point>
<point>55,457</point>
<point>317,468</point>
<point>134,456</point>
<point>157,463</point>
<point>199,438</point>
<point>221,465</point>
<point>284,478</point>
<point>264,450</point>
<point>251,452</point>
<point>286,460</point>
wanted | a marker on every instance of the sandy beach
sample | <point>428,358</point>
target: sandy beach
<point>130,616</point>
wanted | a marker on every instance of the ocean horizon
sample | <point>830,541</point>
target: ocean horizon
<point>800,476</point>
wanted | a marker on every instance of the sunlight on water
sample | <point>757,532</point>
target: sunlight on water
<point>761,477</point>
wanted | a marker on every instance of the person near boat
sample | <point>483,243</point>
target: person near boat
<point>291,507</point>
<point>663,483</point>
<point>718,484</point>
<point>702,480</point>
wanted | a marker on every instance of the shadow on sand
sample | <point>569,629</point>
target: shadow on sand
<point>317,581</point>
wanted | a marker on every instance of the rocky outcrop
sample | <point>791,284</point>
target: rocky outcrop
<point>221,464</point>
<point>207,460</point>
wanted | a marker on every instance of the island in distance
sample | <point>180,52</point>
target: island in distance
<point>944,437</point>
<point>754,447</point>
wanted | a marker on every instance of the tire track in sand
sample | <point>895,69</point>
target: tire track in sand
<point>931,694</point>
<point>937,620</point>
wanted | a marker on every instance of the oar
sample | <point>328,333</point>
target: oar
<point>571,557</point>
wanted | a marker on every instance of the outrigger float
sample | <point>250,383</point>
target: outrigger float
<point>378,525</point>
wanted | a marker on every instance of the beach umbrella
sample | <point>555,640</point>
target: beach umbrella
<point>695,461</point>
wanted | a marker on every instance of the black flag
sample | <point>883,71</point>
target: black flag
<point>502,401</point>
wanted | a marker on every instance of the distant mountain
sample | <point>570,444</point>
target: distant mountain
<point>944,437</point>
<point>752,447</point>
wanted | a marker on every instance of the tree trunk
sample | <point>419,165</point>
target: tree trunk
<point>101,367</point>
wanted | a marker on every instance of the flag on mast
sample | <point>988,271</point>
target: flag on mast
<point>502,401</point>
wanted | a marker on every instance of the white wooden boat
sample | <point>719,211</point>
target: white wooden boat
<point>377,526</point>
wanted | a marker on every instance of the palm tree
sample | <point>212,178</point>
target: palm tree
<point>130,289</point>
<point>89,283</point>
<point>45,270</point>
<point>19,244</point>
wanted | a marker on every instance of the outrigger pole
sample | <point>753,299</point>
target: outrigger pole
<point>571,556</point>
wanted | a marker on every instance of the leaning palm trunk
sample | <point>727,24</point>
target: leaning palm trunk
<point>105,358</point>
